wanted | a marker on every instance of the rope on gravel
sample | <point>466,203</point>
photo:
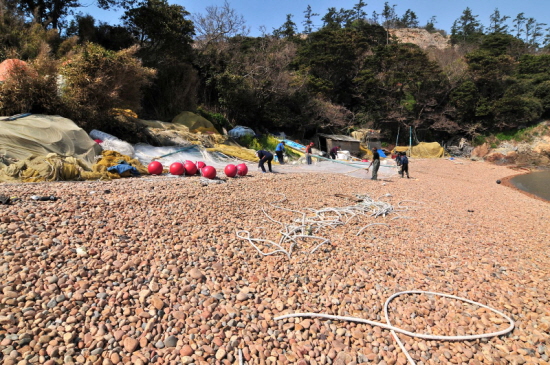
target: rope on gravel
<point>394,329</point>
<point>311,221</point>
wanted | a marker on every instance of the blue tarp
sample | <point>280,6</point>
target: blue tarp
<point>381,153</point>
<point>122,168</point>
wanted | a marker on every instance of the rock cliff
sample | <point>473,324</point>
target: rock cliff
<point>421,37</point>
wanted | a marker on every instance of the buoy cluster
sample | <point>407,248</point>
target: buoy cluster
<point>189,168</point>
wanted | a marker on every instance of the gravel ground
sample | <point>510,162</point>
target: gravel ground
<point>150,270</point>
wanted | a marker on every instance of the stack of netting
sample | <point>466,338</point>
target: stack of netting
<point>53,167</point>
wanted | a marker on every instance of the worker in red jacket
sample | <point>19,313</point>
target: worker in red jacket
<point>308,153</point>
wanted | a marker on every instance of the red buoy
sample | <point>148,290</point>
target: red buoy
<point>200,164</point>
<point>177,168</point>
<point>230,170</point>
<point>155,168</point>
<point>208,172</point>
<point>190,168</point>
<point>242,169</point>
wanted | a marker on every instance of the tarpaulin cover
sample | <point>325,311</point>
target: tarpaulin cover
<point>40,135</point>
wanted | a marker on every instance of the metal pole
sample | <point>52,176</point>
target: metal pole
<point>410,139</point>
<point>397,139</point>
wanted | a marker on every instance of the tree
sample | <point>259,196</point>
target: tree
<point>50,13</point>
<point>287,30</point>
<point>358,12</point>
<point>466,29</point>
<point>161,30</point>
<point>335,19</point>
<point>218,24</point>
<point>519,22</point>
<point>389,15</point>
<point>113,38</point>
<point>430,24</point>
<point>408,20</point>
<point>308,22</point>
<point>498,24</point>
<point>533,32</point>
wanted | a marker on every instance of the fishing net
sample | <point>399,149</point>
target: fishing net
<point>388,168</point>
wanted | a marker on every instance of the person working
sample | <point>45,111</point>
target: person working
<point>334,151</point>
<point>279,151</point>
<point>264,156</point>
<point>403,159</point>
<point>375,163</point>
<point>308,153</point>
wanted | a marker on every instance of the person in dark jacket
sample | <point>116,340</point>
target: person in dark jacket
<point>404,160</point>
<point>264,156</point>
<point>375,163</point>
<point>334,151</point>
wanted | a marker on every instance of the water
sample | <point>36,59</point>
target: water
<point>536,183</point>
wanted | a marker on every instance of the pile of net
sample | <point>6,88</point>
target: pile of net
<point>40,135</point>
<point>423,150</point>
<point>54,167</point>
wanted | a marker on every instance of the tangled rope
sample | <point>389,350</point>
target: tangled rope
<point>394,330</point>
<point>311,221</point>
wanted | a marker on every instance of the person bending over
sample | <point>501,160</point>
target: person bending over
<point>334,151</point>
<point>264,156</point>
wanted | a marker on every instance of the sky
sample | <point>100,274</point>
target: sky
<point>272,13</point>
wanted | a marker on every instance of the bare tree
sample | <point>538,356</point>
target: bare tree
<point>219,23</point>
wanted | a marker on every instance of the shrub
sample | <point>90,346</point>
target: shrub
<point>265,142</point>
<point>96,80</point>
<point>479,140</point>
<point>31,88</point>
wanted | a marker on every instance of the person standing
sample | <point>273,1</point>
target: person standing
<point>308,153</point>
<point>264,156</point>
<point>375,163</point>
<point>279,152</point>
<point>404,164</point>
<point>334,151</point>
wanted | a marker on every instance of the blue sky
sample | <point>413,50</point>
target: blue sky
<point>272,14</point>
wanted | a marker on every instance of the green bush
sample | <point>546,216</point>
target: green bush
<point>479,140</point>
<point>265,142</point>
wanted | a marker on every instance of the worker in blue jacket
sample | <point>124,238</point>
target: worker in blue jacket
<point>264,156</point>
<point>279,151</point>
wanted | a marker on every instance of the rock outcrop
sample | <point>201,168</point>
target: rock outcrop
<point>421,37</point>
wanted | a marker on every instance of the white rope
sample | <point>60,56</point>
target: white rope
<point>308,225</point>
<point>394,329</point>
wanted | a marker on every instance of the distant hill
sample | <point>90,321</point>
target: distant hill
<point>421,37</point>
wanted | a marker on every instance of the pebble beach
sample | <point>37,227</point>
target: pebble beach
<point>151,270</point>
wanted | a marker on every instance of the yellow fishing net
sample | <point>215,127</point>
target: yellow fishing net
<point>53,167</point>
<point>235,151</point>
<point>423,150</point>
